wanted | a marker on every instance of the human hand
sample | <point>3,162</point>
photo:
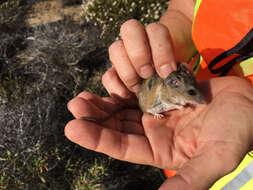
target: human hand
<point>202,143</point>
<point>141,51</point>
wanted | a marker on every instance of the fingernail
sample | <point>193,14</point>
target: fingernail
<point>146,71</point>
<point>165,70</point>
<point>136,88</point>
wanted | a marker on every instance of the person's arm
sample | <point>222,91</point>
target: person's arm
<point>178,19</point>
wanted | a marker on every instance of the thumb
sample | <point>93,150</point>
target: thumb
<point>201,172</point>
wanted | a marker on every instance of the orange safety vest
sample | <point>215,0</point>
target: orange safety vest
<point>223,35</point>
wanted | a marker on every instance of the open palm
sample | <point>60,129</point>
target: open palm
<point>204,142</point>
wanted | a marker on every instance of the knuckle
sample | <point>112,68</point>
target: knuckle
<point>107,79</point>
<point>130,78</point>
<point>162,60</point>
<point>156,27</point>
<point>128,25</point>
<point>124,93</point>
<point>115,46</point>
<point>109,76</point>
<point>139,56</point>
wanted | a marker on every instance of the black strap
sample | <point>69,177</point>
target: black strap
<point>244,49</point>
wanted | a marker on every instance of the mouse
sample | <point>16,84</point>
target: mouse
<point>178,89</point>
<point>157,95</point>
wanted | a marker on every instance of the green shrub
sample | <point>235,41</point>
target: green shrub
<point>110,14</point>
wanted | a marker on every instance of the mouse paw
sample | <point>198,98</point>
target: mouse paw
<point>158,116</point>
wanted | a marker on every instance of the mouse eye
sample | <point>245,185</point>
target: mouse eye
<point>192,92</point>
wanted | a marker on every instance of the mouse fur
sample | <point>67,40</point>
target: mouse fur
<point>157,95</point>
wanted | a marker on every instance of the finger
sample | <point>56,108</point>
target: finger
<point>130,122</point>
<point>89,105</point>
<point>137,47</point>
<point>208,167</point>
<point>80,107</point>
<point>128,147</point>
<point>130,127</point>
<point>130,115</point>
<point>107,103</point>
<point>117,89</point>
<point>104,105</point>
<point>161,47</point>
<point>123,66</point>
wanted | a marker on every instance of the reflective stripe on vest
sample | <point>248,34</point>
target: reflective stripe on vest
<point>237,180</point>
<point>241,179</point>
<point>219,26</point>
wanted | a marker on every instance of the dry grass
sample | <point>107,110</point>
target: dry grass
<point>45,60</point>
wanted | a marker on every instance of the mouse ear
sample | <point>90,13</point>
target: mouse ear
<point>172,81</point>
<point>184,68</point>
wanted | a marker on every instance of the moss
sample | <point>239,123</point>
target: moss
<point>10,91</point>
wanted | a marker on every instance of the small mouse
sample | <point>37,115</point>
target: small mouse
<point>157,95</point>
